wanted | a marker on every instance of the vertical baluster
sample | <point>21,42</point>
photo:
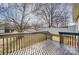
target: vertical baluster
<point>17,45</point>
<point>10,45</point>
<point>3,46</point>
<point>23,41</point>
<point>72,40</point>
<point>30,40</point>
<point>78,43</point>
<point>75,41</point>
<point>27,40</point>
<point>36,40</point>
<point>67,40</point>
<point>16,42</point>
<point>19,42</point>
<point>7,44</point>
<point>64,39</point>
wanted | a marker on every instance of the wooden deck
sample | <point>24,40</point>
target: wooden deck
<point>47,47</point>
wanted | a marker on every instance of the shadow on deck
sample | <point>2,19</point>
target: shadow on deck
<point>47,47</point>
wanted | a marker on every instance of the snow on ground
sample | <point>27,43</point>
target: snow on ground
<point>57,30</point>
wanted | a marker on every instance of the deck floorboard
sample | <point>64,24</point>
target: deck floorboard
<point>47,47</point>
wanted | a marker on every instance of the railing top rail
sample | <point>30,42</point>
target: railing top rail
<point>21,33</point>
<point>68,33</point>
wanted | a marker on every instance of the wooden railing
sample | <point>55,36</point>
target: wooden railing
<point>10,42</point>
<point>71,39</point>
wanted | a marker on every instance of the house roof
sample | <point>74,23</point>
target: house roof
<point>3,25</point>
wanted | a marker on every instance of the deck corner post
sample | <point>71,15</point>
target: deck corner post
<point>61,40</point>
<point>49,36</point>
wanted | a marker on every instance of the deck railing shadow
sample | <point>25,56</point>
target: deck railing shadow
<point>11,42</point>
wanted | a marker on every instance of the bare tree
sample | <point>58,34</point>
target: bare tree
<point>17,14</point>
<point>38,24</point>
<point>35,26</point>
<point>47,12</point>
<point>53,13</point>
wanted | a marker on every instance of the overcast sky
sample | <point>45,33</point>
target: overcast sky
<point>35,18</point>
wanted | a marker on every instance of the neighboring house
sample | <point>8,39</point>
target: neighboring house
<point>4,28</point>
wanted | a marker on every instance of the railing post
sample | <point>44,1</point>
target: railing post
<point>61,40</point>
<point>48,36</point>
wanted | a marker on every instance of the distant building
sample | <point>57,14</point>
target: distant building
<point>4,28</point>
